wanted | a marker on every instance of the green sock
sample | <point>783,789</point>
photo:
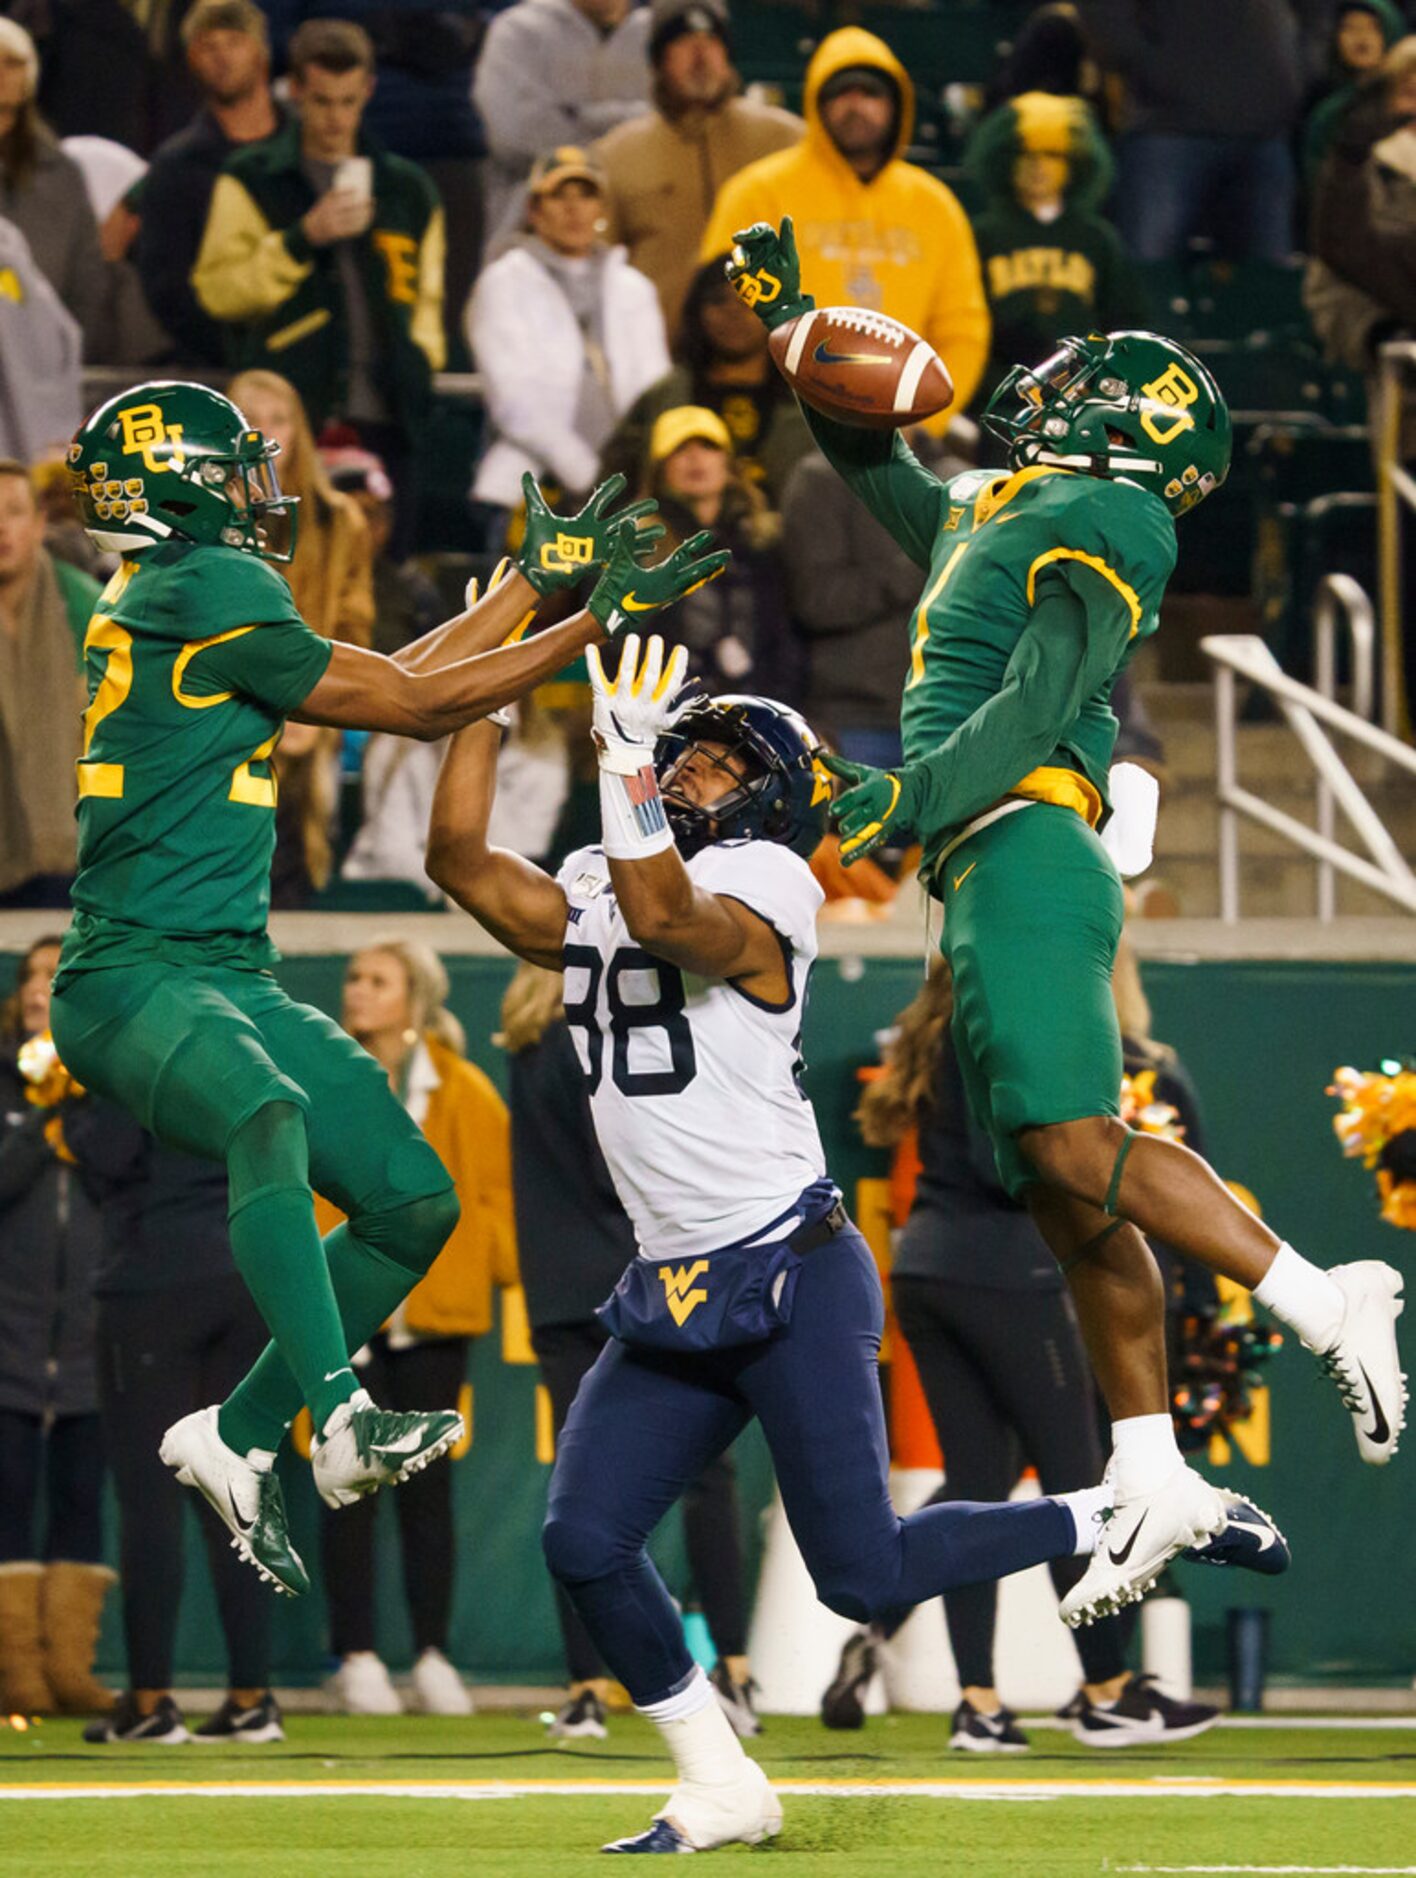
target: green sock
<point>368,1287</point>
<point>279,1255</point>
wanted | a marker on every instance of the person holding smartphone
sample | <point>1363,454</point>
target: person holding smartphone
<point>343,297</point>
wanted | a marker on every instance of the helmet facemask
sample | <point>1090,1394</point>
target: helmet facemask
<point>696,825</point>
<point>765,753</point>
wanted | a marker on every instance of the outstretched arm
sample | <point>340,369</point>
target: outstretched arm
<point>517,902</point>
<point>1074,641</point>
<point>876,465</point>
<point>557,552</point>
<point>666,912</point>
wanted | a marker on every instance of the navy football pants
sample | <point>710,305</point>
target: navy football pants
<point>644,1426</point>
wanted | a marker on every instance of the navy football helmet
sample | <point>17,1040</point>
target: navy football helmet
<point>781,789</point>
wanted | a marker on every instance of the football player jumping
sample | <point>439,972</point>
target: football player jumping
<point>1039,584</point>
<point>687,940</point>
<point>164,1000</point>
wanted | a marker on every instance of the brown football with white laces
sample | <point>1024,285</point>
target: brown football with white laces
<point>862,367</point>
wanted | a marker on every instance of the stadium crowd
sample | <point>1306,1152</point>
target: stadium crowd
<point>338,212</point>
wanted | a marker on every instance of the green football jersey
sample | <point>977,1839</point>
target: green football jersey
<point>194,656</point>
<point>993,535</point>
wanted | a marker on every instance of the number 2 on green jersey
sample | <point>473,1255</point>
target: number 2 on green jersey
<point>106,779</point>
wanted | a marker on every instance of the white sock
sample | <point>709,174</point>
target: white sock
<point>1086,1505</point>
<point>1144,1454</point>
<point>698,1734</point>
<point>1303,1296</point>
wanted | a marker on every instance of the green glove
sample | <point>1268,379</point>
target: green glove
<point>766,273</point>
<point>878,807</point>
<point>559,550</point>
<point>627,590</point>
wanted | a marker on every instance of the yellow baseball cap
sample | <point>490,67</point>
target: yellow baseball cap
<point>683,424</point>
<point>565,164</point>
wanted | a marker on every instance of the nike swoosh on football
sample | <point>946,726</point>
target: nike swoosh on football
<point>1380,1429</point>
<point>825,357</point>
<point>1119,1558</point>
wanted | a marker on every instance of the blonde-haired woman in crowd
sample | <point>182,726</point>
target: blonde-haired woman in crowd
<point>331,575</point>
<point>395,1005</point>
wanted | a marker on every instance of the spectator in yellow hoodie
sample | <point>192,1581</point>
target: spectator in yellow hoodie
<point>871,229</point>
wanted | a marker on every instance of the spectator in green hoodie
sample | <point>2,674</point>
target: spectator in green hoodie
<point>1051,264</point>
<point>1362,34</point>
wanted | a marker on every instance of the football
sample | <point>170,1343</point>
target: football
<point>861,367</point>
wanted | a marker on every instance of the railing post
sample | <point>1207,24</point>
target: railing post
<point>1325,648</point>
<point>1228,819</point>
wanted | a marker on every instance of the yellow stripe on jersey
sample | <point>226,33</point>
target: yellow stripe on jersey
<point>922,618</point>
<point>1000,492</point>
<point>1127,593</point>
<point>184,659</point>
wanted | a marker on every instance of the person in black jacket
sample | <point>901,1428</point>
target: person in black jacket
<point>985,1311</point>
<point>228,51</point>
<point>573,1244</point>
<point>52,1585</point>
<point>176,1328</point>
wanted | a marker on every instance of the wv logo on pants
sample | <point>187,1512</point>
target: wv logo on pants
<point>680,1296</point>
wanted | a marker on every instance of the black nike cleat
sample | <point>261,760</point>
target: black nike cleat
<point>843,1704</point>
<point>1139,1717</point>
<point>251,1726</point>
<point>977,1733</point>
<point>164,1728</point>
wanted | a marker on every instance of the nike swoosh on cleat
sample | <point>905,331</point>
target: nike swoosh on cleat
<point>1119,1558</point>
<point>1380,1429</point>
<point>1264,1533</point>
<point>244,1526</point>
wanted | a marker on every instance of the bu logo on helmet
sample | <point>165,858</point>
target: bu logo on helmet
<point>1176,390</point>
<point>144,430</point>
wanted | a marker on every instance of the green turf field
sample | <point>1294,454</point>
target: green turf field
<point>422,1798</point>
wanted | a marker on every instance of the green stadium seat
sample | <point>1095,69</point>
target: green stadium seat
<point>1241,300</point>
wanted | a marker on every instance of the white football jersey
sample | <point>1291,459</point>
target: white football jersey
<point>693,1084</point>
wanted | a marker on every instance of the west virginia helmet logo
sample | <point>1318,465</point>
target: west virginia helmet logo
<point>1176,391</point>
<point>144,431</point>
<point>679,1295</point>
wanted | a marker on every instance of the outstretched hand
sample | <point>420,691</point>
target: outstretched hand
<point>873,810</point>
<point>559,550</point>
<point>766,274</point>
<point>636,707</point>
<point>627,589</point>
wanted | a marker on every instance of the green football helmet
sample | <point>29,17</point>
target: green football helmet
<point>176,461</point>
<point>1124,405</point>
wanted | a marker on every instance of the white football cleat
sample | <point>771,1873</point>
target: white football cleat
<point>245,1495</point>
<point>1364,1361</point>
<point>1143,1534</point>
<point>438,1687</point>
<point>696,1817</point>
<point>364,1447</point>
<point>362,1686</point>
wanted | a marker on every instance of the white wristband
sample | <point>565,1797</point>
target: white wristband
<point>632,818</point>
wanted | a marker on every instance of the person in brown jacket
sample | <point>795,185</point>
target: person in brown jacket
<point>664,169</point>
<point>331,576</point>
<point>394,1005</point>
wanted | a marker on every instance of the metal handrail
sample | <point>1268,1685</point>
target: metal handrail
<point>1339,596</point>
<point>1396,493</point>
<point>1305,709</point>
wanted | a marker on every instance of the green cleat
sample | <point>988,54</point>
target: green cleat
<point>364,1447</point>
<point>245,1493</point>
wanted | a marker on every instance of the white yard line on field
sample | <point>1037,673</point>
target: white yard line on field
<point>1199,1788</point>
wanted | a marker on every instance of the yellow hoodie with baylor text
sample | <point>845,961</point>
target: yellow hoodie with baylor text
<point>900,243</point>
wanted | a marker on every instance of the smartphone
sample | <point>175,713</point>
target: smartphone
<point>356,174</point>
